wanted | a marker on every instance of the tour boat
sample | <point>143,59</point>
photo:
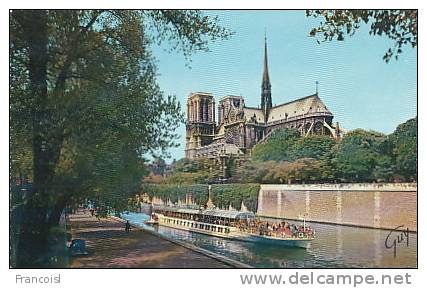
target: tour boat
<point>230,224</point>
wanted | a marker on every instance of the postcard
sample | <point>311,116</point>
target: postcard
<point>213,139</point>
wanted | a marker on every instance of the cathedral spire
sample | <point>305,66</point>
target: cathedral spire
<point>266,103</point>
<point>265,77</point>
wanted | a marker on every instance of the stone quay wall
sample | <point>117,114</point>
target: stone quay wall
<point>384,206</point>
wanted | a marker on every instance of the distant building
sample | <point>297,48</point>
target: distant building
<point>239,128</point>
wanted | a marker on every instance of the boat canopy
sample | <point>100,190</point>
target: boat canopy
<point>178,209</point>
<point>230,214</point>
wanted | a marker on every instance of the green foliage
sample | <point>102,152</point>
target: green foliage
<point>254,171</point>
<point>384,169</point>
<point>175,192</point>
<point>278,147</point>
<point>85,106</point>
<point>357,155</point>
<point>186,171</point>
<point>315,146</point>
<point>287,145</point>
<point>187,31</point>
<point>304,170</point>
<point>234,194</point>
<point>401,26</point>
<point>223,195</point>
<point>361,156</point>
<point>405,151</point>
<point>102,108</point>
<point>186,165</point>
<point>199,177</point>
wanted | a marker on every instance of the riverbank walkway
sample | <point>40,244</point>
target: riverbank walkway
<point>109,246</point>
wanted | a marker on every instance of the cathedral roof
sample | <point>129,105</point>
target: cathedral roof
<point>311,104</point>
<point>251,111</point>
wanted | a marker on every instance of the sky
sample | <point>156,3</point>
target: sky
<point>357,86</point>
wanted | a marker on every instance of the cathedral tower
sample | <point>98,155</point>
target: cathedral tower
<point>266,102</point>
<point>200,126</point>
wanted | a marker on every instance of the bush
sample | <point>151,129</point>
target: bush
<point>223,194</point>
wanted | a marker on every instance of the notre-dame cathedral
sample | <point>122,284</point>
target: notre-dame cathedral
<point>239,128</point>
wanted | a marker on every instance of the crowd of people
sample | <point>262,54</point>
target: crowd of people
<point>283,229</point>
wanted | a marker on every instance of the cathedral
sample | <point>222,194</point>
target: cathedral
<point>239,128</point>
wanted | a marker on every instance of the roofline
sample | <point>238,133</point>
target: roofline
<point>200,93</point>
<point>253,108</point>
<point>229,96</point>
<point>296,100</point>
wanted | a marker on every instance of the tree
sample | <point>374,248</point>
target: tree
<point>85,105</point>
<point>384,169</point>
<point>302,170</point>
<point>186,165</point>
<point>200,177</point>
<point>158,167</point>
<point>405,152</point>
<point>313,146</point>
<point>287,145</point>
<point>278,147</point>
<point>401,26</point>
<point>357,155</point>
<point>254,171</point>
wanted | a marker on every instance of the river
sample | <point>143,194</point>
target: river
<point>335,246</point>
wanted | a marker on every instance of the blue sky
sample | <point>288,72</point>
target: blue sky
<point>358,87</point>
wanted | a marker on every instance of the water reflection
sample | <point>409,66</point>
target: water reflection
<point>334,246</point>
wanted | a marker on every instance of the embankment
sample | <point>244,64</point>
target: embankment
<point>383,206</point>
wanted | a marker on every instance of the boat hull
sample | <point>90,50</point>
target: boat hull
<point>151,222</point>
<point>291,242</point>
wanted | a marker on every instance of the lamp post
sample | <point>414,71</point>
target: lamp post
<point>303,218</point>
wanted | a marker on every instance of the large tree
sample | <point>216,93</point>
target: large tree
<point>404,142</point>
<point>278,147</point>
<point>401,26</point>
<point>358,154</point>
<point>85,105</point>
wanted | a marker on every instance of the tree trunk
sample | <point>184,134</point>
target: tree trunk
<point>34,228</point>
<point>55,213</point>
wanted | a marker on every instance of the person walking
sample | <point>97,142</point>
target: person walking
<point>127,226</point>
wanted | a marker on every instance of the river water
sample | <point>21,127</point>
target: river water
<point>335,246</point>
